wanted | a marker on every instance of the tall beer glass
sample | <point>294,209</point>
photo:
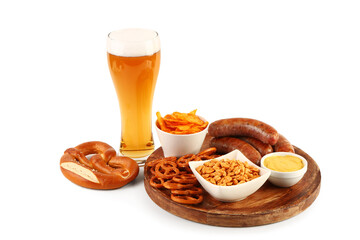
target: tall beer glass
<point>134,61</point>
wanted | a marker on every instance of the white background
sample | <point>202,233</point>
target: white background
<point>291,64</point>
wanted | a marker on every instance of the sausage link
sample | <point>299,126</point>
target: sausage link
<point>244,127</point>
<point>263,148</point>
<point>228,144</point>
<point>283,145</point>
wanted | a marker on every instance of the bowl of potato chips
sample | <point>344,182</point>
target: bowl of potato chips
<point>181,133</point>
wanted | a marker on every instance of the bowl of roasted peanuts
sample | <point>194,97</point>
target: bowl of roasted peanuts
<point>231,177</point>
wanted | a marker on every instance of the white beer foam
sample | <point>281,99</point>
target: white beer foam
<point>133,42</point>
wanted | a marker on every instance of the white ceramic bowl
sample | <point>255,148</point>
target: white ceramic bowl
<point>285,179</point>
<point>236,192</point>
<point>179,145</point>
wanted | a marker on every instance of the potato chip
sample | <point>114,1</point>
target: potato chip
<point>181,123</point>
<point>161,122</point>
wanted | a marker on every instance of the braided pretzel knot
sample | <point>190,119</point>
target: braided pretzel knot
<point>104,170</point>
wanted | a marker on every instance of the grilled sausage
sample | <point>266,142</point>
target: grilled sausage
<point>283,145</point>
<point>244,127</point>
<point>263,148</point>
<point>228,144</point>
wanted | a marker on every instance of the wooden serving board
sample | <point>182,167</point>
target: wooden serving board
<point>269,204</point>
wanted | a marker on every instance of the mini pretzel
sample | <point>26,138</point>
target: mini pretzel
<point>204,157</point>
<point>187,192</point>
<point>151,165</point>
<point>104,170</point>
<point>166,169</point>
<point>185,199</point>
<point>208,152</point>
<point>171,184</point>
<point>184,160</point>
<point>156,182</point>
<point>172,159</point>
<point>176,175</point>
<point>185,178</point>
<point>154,162</point>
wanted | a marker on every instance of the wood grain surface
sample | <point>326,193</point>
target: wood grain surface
<point>269,204</point>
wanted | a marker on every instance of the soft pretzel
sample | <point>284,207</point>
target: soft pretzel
<point>103,170</point>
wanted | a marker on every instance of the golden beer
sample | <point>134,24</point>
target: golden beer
<point>134,61</point>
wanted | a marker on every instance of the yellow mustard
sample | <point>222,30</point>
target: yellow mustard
<point>286,163</point>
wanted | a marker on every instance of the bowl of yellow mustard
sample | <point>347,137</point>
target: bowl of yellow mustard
<point>287,169</point>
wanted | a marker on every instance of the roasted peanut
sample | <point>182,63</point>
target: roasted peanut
<point>227,172</point>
